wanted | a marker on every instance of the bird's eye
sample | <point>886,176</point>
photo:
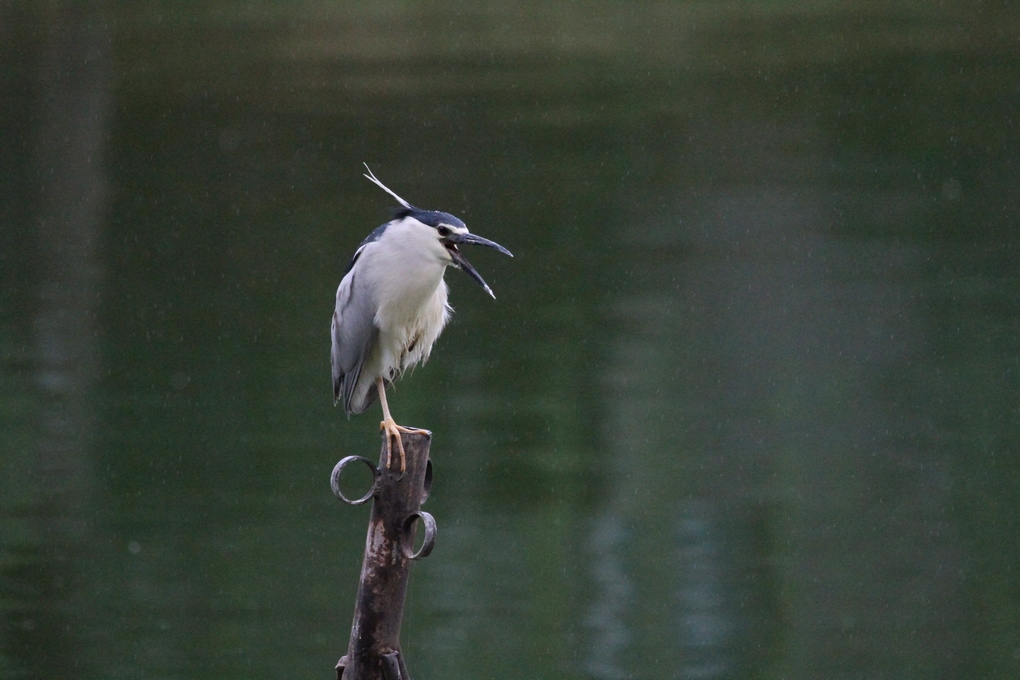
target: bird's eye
<point>443,231</point>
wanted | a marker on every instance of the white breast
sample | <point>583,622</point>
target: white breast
<point>404,274</point>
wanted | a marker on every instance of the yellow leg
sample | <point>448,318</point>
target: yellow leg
<point>391,428</point>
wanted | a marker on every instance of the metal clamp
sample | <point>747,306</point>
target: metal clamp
<point>407,535</point>
<point>426,486</point>
<point>334,480</point>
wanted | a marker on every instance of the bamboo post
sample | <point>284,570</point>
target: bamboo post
<point>373,652</point>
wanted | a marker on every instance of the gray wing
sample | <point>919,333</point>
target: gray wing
<point>353,333</point>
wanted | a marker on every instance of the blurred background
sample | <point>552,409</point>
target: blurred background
<point>747,404</point>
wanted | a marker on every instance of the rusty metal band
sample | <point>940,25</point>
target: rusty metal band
<point>426,486</point>
<point>406,538</point>
<point>334,480</point>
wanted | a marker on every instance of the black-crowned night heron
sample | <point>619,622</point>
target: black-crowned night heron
<point>391,305</point>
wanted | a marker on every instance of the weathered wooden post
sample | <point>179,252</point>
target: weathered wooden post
<point>373,652</point>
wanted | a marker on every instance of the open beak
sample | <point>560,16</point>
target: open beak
<point>461,262</point>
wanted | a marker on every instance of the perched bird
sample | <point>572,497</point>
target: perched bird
<point>392,305</point>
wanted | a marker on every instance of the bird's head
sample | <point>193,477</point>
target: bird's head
<point>450,232</point>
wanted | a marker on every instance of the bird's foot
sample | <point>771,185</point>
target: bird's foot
<point>393,431</point>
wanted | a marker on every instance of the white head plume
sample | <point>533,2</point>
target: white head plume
<point>385,188</point>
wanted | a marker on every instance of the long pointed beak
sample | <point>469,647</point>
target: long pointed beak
<point>461,262</point>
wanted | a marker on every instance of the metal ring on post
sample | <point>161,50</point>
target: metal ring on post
<point>391,666</point>
<point>426,486</point>
<point>406,542</point>
<point>334,480</point>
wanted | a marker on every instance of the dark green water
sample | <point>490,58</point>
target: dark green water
<point>747,404</point>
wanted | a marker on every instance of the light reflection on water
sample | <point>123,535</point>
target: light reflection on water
<point>744,406</point>
<point>779,377</point>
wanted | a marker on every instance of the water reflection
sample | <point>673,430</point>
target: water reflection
<point>706,618</point>
<point>745,405</point>
<point>611,601</point>
<point>51,484</point>
<point>775,364</point>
